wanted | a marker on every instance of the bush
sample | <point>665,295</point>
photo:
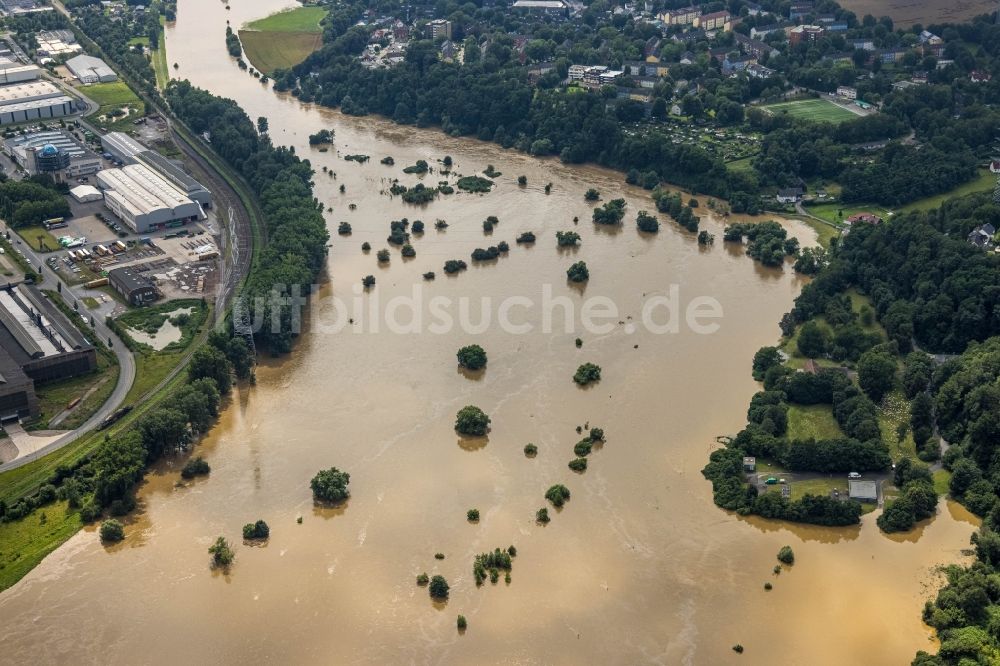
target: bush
<point>408,251</point>
<point>439,587</point>
<point>330,485</point>
<point>429,275</point>
<point>566,238</point>
<point>786,555</point>
<point>587,373</point>
<point>768,586</point>
<point>454,266</point>
<point>222,553</point>
<point>583,447</point>
<point>417,227</point>
<point>472,357</point>
<point>542,515</point>
<point>578,272</point>
<point>368,281</point>
<point>557,494</point>
<point>438,556</point>
<point>472,515</point>
<point>592,195</point>
<point>382,256</point>
<point>195,467</point>
<point>462,624</point>
<point>472,421</point>
<point>112,531</point>
<point>597,434</point>
<point>258,530</point>
<point>423,579</point>
<point>526,237</point>
<point>610,213</point>
<point>647,223</point>
<point>366,246</point>
<point>344,229</point>
<point>530,450</point>
<point>578,464</point>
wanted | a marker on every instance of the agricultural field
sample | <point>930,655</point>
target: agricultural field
<point>820,110</point>
<point>284,39</point>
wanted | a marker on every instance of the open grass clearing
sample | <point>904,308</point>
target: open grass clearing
<point>24,543</point>
<point>892,413</point>
<point>942,479</point>
<point>984,182</point>
<point>39,238</point>
<point>271,51</point>
<point>819,110</point>
<point>812,421</point>
<point>299,19</point>
<point>116,93</point>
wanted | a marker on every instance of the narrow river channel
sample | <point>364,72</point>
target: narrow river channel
<point>639,567</point>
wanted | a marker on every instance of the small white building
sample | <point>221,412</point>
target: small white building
<point>89,69</point>
<point>847,92</point>
<point>86,193</point>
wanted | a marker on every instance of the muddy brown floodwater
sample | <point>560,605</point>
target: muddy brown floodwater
<point>639,567</point>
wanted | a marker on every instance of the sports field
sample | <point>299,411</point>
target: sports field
<point>284,39</point>
<point>819,110</point>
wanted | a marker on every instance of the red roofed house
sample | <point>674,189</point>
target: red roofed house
<point>979,76</point>
<point>870,218</point>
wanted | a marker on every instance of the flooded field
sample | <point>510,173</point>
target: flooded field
<point>905,13</point>
<point>638,567</point>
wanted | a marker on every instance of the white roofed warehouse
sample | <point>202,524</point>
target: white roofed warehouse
<point>144,200</point>
<point>90,69</point>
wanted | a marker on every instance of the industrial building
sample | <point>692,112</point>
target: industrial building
<point>89,69</point>
<point>127,150</point>
<point>13,70</point>
<point>144,200</point>
<point>54,152</point>
<point>133,285</point>
<point>56,44</point>
<point>17,391</point>
<point>39,338</point>
<point>36,100</point>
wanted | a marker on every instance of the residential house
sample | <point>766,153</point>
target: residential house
<point>550,7</point>
<point>754,47</point>
<point>760,72</point>
<point>863,218</point>
<point>790,195</point>
<point>799,11</point>
<point>847,92</point>
<point>648,82</point>
<point>995,166</point>
<point>805,33</point>
<point>683,16</point>
<point>980,76</point>
<point>865,44</point>
<point>733,65</point>
<point>643,95</point>
<point>439,28</point>
<point>714,21</point>
<point>762,31</point>
<point>982,236</point>
<point>831,23</point>
<point>576,72</point>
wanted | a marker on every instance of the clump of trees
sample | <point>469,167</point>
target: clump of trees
<point>257,531</point>
<point>419,168</point>
<point>330,485</point>
<point>112,531</point>
<point>566,238</point>
<point>382,256</point>
<point>489,223</point>
<point>472,357</point>
<point>587,373</point>
<point>526,237</point>
<point>557,494</point>
<point>439,587</point>
<point>786,555</point>
<point>474,184</point>
<point>610,213</point>
<point>578,464</point>
<point>647,223</point>
<point>195,467</point>
<point>768,242</point>
<point>454,266</point>
<point>325,136</point>
<point>592,195</point>
<point>408,252</point>
<point>671,204</point>
<point>489,254</point>
<point>472,421</point>
<point>578,272</point>
<point>491,563</point>
<point>222,553</point>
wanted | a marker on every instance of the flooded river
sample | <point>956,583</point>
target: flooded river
<point>639,567</point>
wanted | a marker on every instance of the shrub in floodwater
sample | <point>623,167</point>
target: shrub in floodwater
<point>583,447</point>
<point>472,421</point>
<point>738,649</point>
<point>222,553</point>
<point>256,531</point>
<point>597,434</point>
<point>462,624</point>
<point>472,515</point>
<point>366,246</point>
<point>195,467</point>
<point>578,464</point>
<point>530,450</point>
<point>439,587</point>
<point>438,556</point>
<point>330,485</point>
<point>542,515</point>
<point>472,357</point>
<point>587,373</point>
<point>423,579</point>
<point>785,555</point>
<point>557,494</point>
<point>112,530</point>
<point>368,281</point>
<point>768,586</point>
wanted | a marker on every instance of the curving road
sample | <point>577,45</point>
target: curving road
<point>126,361</point>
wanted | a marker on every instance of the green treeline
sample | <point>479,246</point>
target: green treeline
<point>295,250</point>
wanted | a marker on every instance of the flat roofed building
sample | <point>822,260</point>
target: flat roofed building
<point>89,69</point>
<point>177,176</point>
<point>39,109</point>
<point>122,147</point>
<point>144,200</point>
<point>29,91</point>
<point>19,74</point>
<point>862,491</point>
<point>17,391</point>
<point>133,285</point>
<point>40,339</point>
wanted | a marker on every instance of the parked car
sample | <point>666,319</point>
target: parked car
<point>771,481</point>
<point>853,475</point>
